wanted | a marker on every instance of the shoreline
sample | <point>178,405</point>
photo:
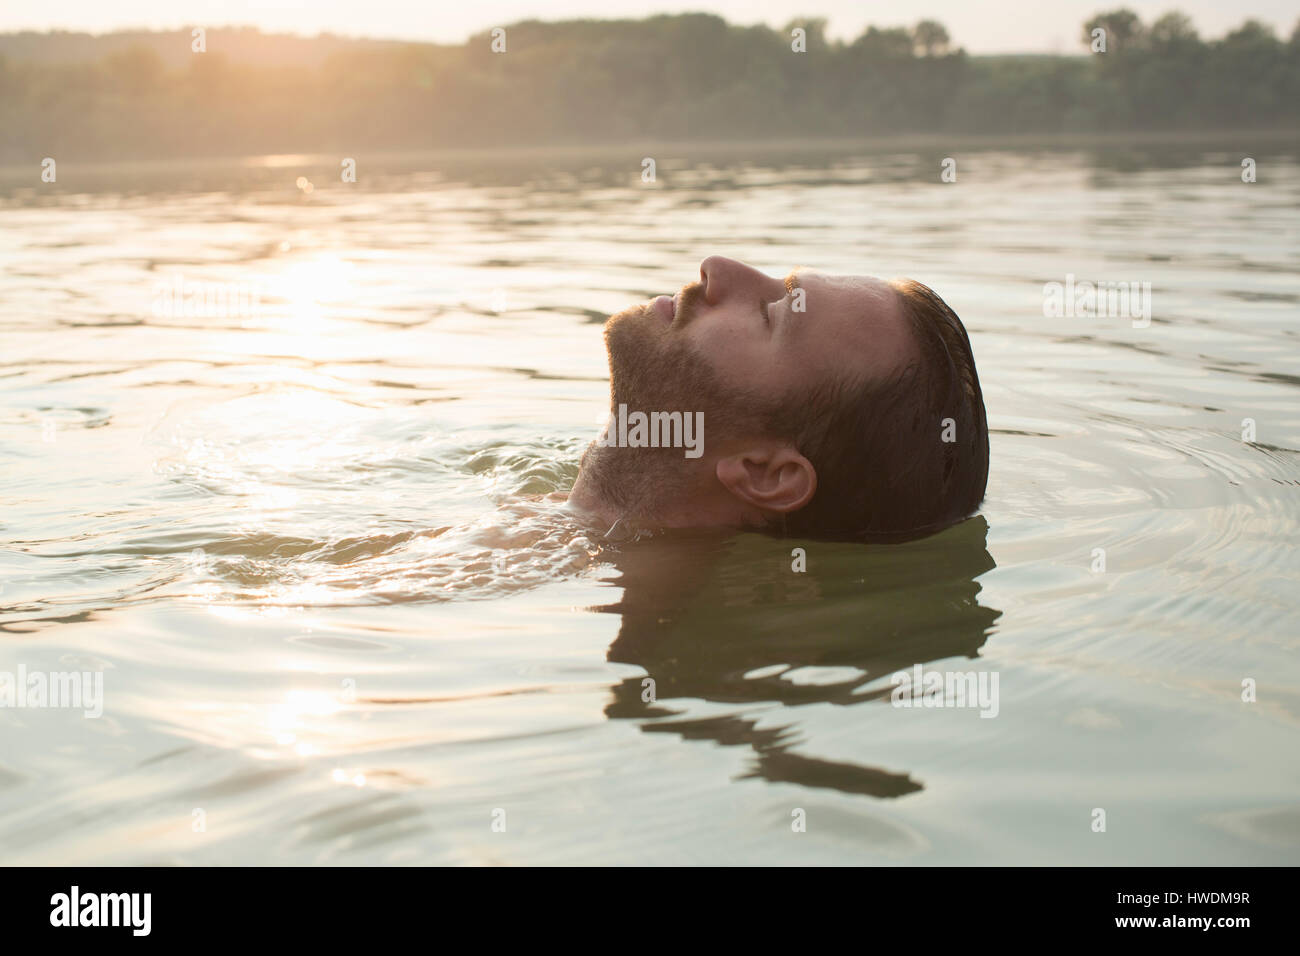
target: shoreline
<point>664,149</point>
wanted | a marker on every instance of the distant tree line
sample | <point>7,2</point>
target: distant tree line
<point>683,77</point>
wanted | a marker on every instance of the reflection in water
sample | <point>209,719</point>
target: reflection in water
<point>727,620</point>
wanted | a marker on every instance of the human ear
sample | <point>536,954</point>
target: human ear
<point>773,479</point>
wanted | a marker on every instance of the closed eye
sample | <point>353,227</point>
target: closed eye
<point>791,283</point>
<point>767,310</point>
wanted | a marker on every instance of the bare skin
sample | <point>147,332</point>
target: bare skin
<point>773,336</point>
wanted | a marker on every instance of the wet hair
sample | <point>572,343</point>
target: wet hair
<point>884,470</point>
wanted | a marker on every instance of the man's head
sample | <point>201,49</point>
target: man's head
<point>833,406</point>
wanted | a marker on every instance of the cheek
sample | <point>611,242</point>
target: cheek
<point>741,355</point>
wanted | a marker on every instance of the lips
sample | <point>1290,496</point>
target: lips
<point>666,307</point>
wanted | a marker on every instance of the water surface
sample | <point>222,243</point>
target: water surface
<point>314,551</point>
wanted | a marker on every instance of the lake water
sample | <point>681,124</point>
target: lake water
<point>308,545</point>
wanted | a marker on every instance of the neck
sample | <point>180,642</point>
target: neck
<point>702,508</point>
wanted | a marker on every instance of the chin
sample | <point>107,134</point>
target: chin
<point>640,314</point>
<point>632,331</point>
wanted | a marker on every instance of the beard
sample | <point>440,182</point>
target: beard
<point>653,368</point>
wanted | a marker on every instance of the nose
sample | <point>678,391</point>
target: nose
<point>723,278</point>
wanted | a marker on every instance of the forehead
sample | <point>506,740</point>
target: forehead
<point>860,318</point>
<point>844,291</point>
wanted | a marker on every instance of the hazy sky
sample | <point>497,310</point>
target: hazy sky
<point>982,26</point>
